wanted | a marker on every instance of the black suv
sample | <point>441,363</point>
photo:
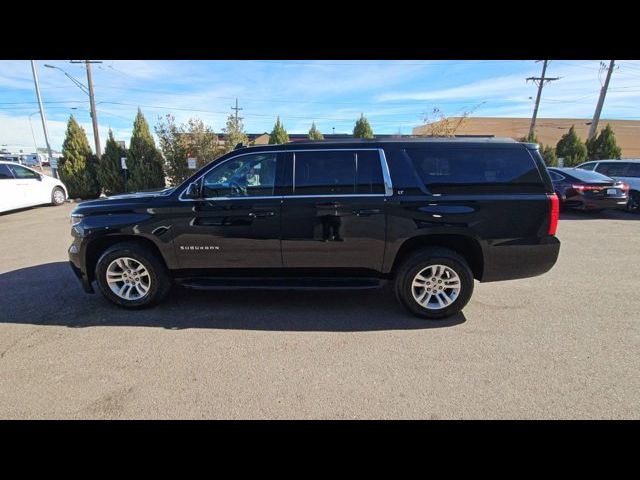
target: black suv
<point>431,215</point>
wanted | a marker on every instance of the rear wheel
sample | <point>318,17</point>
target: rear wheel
<point>57,196</point>
<point>434,283</point>
<point>131,277</point>
<point>633,205</point>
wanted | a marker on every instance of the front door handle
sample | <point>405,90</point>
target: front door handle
<point>367,212</point>
<point>261,214</point>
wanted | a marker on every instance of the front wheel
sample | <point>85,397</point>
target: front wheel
<point>57,196</point>
<point>434,283</point>
<point>131,277</point>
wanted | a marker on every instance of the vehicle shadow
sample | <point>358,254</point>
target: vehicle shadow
<point>49,294</point>
<point>603,215</point>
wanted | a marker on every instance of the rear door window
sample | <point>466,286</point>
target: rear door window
<point>613,169</point>
<point>476,170</point>
<point>337,172</point>
<point>555,176</point>
<point>587,166</point>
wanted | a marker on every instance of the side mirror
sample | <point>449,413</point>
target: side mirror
<point>193,190</point>
<point>39,177</point>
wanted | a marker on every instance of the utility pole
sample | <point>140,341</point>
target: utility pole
<point>236,109</point>
<point>92,102</point>
<point>603,93</point>
<point>43,118</point>
<point>539,81</point>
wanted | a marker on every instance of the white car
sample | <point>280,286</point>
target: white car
<point>22,187</point>
<point>625,170</point>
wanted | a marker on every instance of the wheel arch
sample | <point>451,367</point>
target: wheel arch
<point>466,246</point>
<point>99,245</point>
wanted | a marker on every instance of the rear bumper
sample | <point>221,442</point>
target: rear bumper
<point>508,261</point>
<point>74,263</point>
<point>585,203</point>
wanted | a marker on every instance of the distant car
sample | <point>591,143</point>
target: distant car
<point>22,187</point>
<point>627,171</point>
<point>31,161</point>
<point>584,190</point>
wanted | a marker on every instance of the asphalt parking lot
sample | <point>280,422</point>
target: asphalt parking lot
<point>563,345</point>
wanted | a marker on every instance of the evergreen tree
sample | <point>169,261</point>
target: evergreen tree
<point>549,155</point>
<point>314,133</point>
<point>362,129</point>
<point>604,145</point>
<point>145,163</point>
<point>234,134</point>
<point>571,149</point>
<point>278,134</point>
<point>110,174</point>
<point>77,167</point>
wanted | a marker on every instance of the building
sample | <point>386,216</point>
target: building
<point>548,130</point>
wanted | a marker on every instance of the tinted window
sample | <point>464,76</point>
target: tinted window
<point>369,172</point>
<point>587,166</point>
<point>555,176</point>
<point>613,169</point>
<point>245,176</point>
<point>21,172</point>
<point>587,176</point>
<point>482,170</point>
<point>5,173</point>
<point>634,170</point>
<point>337,173</point>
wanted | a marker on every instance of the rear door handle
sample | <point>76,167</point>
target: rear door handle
<point>327,204</point>
<point>261,214</point>
<point>367,212</point>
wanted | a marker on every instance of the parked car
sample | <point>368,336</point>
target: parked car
<point>627,171</point>
<point>22,187</point>
<point>30,161</point>
<point>585,190</point>
<point>430,215</point>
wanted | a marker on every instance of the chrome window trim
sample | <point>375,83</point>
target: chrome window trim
<point>383,163</point>
<point>386,174</point>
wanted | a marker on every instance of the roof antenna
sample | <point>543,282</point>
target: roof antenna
<point>239,145</point>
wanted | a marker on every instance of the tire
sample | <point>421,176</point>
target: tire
<point>58,196</point>
<point>424,262</point>
<point>633,205</point>
<point>143,290</point>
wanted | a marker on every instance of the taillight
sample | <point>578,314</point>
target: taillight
<point>555,213</point>
<point>586,188</point>
<point>625,187</point>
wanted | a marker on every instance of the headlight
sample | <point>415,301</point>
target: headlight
<point>76,218</point>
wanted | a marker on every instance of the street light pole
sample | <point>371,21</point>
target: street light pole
<point>35,145</point>
<point>92,102</point>
<point>42,117</point>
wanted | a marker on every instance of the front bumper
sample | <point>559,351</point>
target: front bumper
<point>74,263</point>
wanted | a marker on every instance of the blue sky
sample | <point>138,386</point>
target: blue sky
<point>394,95</point>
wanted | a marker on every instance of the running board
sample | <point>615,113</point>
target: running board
<point>235,283</point>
